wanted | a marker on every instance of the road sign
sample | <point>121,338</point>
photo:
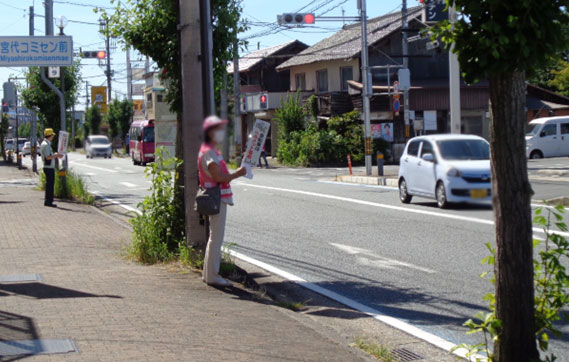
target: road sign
<point>435,11</point>
<point>99,98</point>
<point>39,51</point>
<point>404,76</point>
<point>396,106</point>
<point>53,72</point>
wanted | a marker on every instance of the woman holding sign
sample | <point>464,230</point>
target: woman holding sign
<point>213,173</point>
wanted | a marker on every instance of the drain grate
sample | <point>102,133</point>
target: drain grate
<point>405,355</point>
<point>16,278</point>
<point>37,346</point>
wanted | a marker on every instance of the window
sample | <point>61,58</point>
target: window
<point>149,100</point>
<point>149,134</point>
<point>300,81</point>
<point>159,98</point>
<point>427,148</point>
<point>564,128</point>
<point>346,74</point>
<point>457,150</point>
<point>413,148</point>
<point>549,130</point>
<point>322,80</point>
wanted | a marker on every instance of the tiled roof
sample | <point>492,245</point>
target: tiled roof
<point>248,61</point>
<point>346,43</point>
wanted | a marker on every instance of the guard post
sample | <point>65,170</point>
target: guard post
<point>379,163</point>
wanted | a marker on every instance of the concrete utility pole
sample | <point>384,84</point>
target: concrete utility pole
<point>34,118</point>
<point>236,102</point>
<point>108,49</point>
<point>454,79</point>
<point>86,95</point>
<point>17,144</point>
<point>366,87</point>
<point>207,61</point>
<point>128,75</point>
<point>224,115</point>
<point>405,53</point>
<point>193,112</point>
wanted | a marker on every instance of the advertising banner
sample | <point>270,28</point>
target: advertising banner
<point>62,142</point>
<point>382,130</point>
<point>99,98</point>
<point>255,146</point>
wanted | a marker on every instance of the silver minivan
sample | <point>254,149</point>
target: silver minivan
<point>547,137</point>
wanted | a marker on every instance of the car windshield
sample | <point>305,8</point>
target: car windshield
<point>21,142</point>
<point>532,128</point>
<point>149,134</point>
<point>100,141</point>
<point>464,150</point>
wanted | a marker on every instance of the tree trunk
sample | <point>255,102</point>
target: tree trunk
<point>511,199</point>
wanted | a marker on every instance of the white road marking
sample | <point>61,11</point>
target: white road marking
<point>386,206</point>
<point>393,322</point>
<point>358,185</point>
<point>90,174</point>
<point>377,260</point>
<point>93,167</point>
<point>114,202</point>
<point>128,184</point>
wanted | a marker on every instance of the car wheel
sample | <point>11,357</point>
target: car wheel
<point>403,193</point>
<point>536,155</point>
<point>441,196</point>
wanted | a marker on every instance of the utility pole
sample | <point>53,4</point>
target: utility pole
<point>366,87</point>
<point>405,53</point>
<point>17,144</point>
<point>105,25</point>
<point>193,112</point>
<point>34,118</point>
<point>86,95</point>
<point>454,79</point>
<point>224,114</point>
<point>128,75</point>
<point>236,102</point>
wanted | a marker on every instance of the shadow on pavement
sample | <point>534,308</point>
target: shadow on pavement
<point>15,327</point>
<point>45,291</point>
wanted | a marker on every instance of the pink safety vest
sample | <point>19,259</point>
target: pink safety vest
<point>206,181</point>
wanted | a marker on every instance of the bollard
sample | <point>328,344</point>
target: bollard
<point>379,164</point>
<point>350,164</point>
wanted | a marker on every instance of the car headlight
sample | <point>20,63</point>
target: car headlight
<point>454,172</point>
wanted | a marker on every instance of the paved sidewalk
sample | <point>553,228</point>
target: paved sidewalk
<point>119,311</point>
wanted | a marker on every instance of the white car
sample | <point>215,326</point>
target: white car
<point>447,168</point>
<point>98,146</point>
<point>26,150</point>
<point>547,137</point>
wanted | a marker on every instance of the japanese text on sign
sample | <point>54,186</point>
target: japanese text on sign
<point>41,51</point>
<point>255,146</point>
<point>435,10</point>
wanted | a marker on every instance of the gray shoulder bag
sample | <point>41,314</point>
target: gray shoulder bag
<point>208,201</point>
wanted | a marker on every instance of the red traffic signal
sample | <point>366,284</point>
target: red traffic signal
<point>309,19</point>
<point>101,54</point>
<point>296,19</point>
<point>94,54</point>
<point>263,101</point>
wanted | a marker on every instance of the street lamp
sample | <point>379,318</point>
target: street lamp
<point>61,23</point>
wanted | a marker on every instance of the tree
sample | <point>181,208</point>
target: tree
<point>4,127</point>
<point>151,27</point>
<point>560,78</point>
<point>119,117</point>
<point>505,40</point>
<point>93,120</point>
<point>38,94</point>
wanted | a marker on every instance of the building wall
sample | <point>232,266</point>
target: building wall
<point>333,67</point>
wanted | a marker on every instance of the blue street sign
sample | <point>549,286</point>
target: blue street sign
<point>396,105</point>
<point>40,51</point>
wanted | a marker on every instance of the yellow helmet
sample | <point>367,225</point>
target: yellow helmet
<point>48,132</point>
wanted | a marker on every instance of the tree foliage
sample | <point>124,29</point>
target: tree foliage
<point>93,120</point>
<point>38,94</point>
<point>119,117</point>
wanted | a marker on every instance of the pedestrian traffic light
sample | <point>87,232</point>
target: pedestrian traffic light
<point>296,19</point>
<point>263,100</point>
<point>5,108</point>
<point>94,54</point>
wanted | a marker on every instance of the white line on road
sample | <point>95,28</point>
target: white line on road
<point>358,185</point>
<point>386,206</point>
<point>114,202</point>
<point>93,167</point>
<point>378,261</point>
<point>393,322</point>
<point>128,184</point>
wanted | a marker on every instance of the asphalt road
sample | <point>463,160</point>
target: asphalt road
<point>413,262</point>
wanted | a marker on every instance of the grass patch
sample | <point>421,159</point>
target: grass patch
<point>294,306</point>
<point>73,189</point>
<point>379,351</point>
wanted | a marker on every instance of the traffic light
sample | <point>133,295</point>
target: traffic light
<point>296,19</point>
<point>5,108</point>
<point>264,104</point>
<point>94,54</point>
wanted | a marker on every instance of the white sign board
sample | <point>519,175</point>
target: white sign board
<point>40,51</point>
<point>165,135</point>
<point>62,142</point>
<point>53,72</point>
<point>255,146</point>
<point>430,120</point>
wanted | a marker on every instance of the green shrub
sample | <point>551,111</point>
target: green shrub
<point>75,188</point>
<point>154,236</point>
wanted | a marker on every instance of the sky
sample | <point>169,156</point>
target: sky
<point>260,14</point>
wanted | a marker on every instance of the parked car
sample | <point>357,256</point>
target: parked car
<point>447,168</point>
<point>97,146</point>
<point>547,137</point>
<point>26,150</point>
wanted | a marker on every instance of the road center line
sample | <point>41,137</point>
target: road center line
<point>93,167</point>
<point>128,184</point>
<point>386,206</point>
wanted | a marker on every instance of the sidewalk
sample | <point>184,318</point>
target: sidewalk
<point>113,310</point>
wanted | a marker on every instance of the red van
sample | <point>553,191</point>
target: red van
<point>141,142</point>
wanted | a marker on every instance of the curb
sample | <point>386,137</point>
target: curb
<point>369,180</point>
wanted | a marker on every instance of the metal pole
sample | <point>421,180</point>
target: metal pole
<point>223,114</point>
<point>192,112</point>
<point>34,118</point>
<point>108,48</point>
<point>454,85</point>
<point>128,75</point>
<point>86,95</point>
<point>18,156</point>
<point>73,120</point>
<point>48,17</point>
<point>236,102</point>
<point>366,89</point>
<point>405,52</point>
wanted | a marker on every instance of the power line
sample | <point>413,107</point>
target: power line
<point>82,4</point>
